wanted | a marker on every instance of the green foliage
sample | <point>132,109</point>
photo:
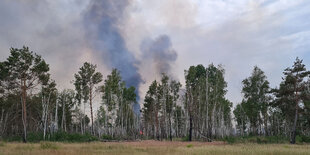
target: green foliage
<point>2,143</point>
<point>112,86</point>
<point>13,138</point>
<point>22,71</point>
<point>106,137</point>
<point>85,80</point>
<point>294,89</point>
<point>302,139</point>
<point>256,139</point>
<point>35,137</point>
<point>48,145</point>
<point>118,100</point>
<point>160,104</point>
<point>230,139</point>
<point>256,100</point>
<point>56,137</point>
<point>73,137</point>
<point>240,117</point>
<point>186,138</point>
<point>205,99</point>
<point>189,145</point>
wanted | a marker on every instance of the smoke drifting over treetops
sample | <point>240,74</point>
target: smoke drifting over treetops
<point>102,22</point>
<point>160,52</point>
<point>102,19</point>
<point>238,34</point>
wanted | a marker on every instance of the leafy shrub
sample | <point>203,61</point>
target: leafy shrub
<point>189,145</point>
<point>15,138</point>
<point>256,139</point>
<point>72,137</point>
<point>276,139</point>
<point>2,144</point>
<point>298,139</point>
<point>305,139</point>
<point>106,137</point>
<point>302,139</point>
<point>230,140</point>
<point>185,138</point>
<point>48,145</point>
<point>58,136</point>
<point>261,140</point>
<point>34,137</point>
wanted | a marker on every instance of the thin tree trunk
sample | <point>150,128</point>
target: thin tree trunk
<point>170,130</point>
<point>190,128</point>
<point>293,136</point>
<point>91,109</point>
<point>56,115</point>
<point>24,111</point>
<point>190,119</point>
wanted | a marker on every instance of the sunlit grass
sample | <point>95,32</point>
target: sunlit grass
<point>48,148</point>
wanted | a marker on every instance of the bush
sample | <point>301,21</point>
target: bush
<point>72,137</point>
<point>48,145</point>
<point>185,138</point>
<point>277,139</point>
<point>302,139</point>
<point>230,140</point>
<point>15,138</point>
<point>256,139</point>
<point>56,137</point>
<point>2,144</point>
<point>35,137</point>
<point>106,137</point>
<point>189,145</point>
<point>305,139</point>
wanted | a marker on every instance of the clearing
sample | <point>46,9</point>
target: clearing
<point>151,147</point>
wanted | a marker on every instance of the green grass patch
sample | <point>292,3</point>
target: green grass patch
<point>2,144</point>
<point>48,145</point>
<point>189,145</point>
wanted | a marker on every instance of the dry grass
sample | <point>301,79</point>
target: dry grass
<point>151,147</point>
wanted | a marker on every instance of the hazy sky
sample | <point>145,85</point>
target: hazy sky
<point>157,35</point>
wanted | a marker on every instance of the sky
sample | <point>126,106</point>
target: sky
<point>144,38</point>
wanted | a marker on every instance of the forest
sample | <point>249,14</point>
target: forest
<point>33,109</point>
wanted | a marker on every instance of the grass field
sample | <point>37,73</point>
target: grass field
<point>151,147</point>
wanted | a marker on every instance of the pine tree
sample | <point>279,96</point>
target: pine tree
<point>85,82</point>
<point>290,95</point>
<point>24,70</point>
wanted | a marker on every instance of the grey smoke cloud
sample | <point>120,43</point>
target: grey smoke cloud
<point>102,20</point>
<point>160,52</point>
<point>49,30</point>
<point>238,34</point>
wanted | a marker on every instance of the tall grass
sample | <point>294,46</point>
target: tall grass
<point>48,148</point>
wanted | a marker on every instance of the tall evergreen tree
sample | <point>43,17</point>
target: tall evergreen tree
<point>85,82</point>
<point>291,94</point>
<point>24,70</point>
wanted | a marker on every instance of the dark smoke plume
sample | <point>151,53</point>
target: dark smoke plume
<point>102,19</point>
<point>160,51</point>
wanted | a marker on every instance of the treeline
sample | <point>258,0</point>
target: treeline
<point>31,103</point>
